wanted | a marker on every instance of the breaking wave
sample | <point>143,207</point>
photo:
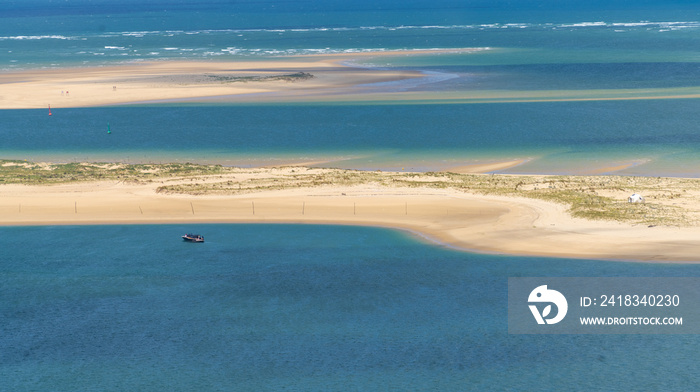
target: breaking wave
<point>668,25</point>
<point>36,37</point>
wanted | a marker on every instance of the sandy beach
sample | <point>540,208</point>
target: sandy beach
<point>443,215</point>
<point>307,78</point>
<point>156,82</point>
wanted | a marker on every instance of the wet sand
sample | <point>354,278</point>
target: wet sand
<point>309,78</point>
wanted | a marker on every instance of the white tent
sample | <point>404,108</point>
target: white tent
<point>635,198</point>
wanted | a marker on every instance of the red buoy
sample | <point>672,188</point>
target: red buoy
<point>49,110</point>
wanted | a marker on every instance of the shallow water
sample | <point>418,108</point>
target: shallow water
<point>655,137</point>
<point>564,49</point>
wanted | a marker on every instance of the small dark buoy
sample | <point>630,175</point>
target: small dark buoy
<point>108,129</point>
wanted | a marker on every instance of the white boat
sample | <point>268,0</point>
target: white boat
<point>193,238</point>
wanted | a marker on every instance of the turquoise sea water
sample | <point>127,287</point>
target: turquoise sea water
<point>659,137</point>
<point>273,307</point>
<point>567,47</point>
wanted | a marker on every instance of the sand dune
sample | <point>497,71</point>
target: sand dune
<point>498,224</point>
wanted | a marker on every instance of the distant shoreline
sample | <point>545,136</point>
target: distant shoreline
<point>235,81</point>
<point>552,216</point>
<point>328,78</point>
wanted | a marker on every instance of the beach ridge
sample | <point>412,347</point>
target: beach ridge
<point>336,77</point>
<point>506,214</point>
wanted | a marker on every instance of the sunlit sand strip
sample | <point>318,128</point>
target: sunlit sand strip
<point>322,75</point>
<point>488,167</point>
<point>511,96</point>
<point>185,81</point>
<point>615,168</point>
<point>312,78</point>
<point>293,163</point>
<point>495,224</point>
<point>361,93</point>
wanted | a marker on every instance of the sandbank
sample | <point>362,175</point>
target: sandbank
<point>615,168</point>
<point>451,217</point>
<point>165,81</point>
<point>307,78</point>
